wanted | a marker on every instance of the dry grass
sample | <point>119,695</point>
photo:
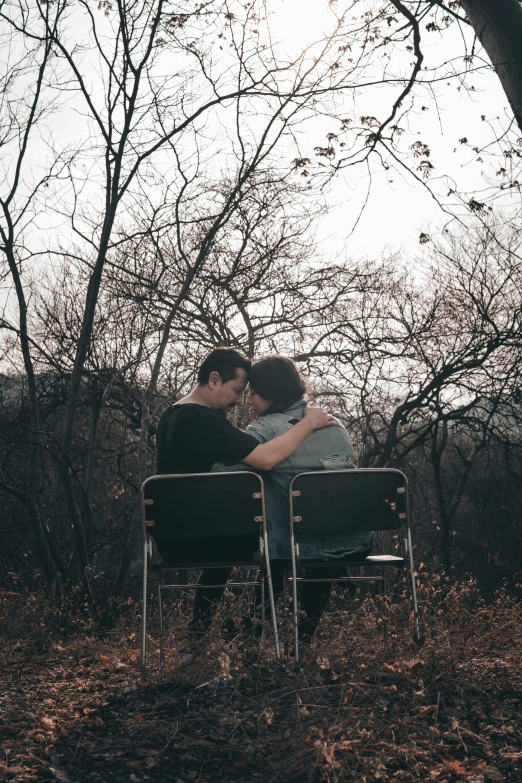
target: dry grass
<point>359,709</point>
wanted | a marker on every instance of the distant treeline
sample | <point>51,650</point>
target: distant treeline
<point>423,367</point>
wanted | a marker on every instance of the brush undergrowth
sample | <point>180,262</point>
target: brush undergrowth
<point>365,705</point>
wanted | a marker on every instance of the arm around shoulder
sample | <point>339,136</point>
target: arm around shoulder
<point>220,467</point>
<point>274,451</point>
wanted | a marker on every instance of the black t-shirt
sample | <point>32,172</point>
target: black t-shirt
<point>190,438</point>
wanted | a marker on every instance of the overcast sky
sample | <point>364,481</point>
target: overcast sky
<point>397,212</point>
<point>398,209</point>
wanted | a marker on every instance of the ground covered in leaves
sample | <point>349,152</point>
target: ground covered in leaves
<point>364,706</point>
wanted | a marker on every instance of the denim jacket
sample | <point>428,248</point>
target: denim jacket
<point>328,448</point>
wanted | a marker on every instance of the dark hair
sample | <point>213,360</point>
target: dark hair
<point>225,361</point>
<point>277,379</point>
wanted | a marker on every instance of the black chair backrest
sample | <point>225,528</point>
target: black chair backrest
<point>203,505</point>
<point>346,501</point>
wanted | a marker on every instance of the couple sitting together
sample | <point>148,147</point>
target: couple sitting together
<point>288,437</point>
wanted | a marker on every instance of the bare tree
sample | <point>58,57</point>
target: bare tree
<point>235,248</point>
<point>157,91</point>
<point>397,57</point>
<point>26,74</point>
<point>498,27</point>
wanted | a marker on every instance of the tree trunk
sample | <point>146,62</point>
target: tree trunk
<point>91,459</point>
<point>74,391</point>
<point>445,539</point>
<point>439,440</point>
<point>135,528</point>
<point>30,496</point>
<point>498,26</point>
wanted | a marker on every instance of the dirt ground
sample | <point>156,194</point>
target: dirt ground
<point>364,706</point>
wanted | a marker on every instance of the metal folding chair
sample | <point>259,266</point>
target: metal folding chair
<point>204,520</point>
<point>350,501</point>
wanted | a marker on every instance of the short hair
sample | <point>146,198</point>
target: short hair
<point>278,380</point>
<point>225,361</point>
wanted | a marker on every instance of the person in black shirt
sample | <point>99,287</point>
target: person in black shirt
<point>194,433</point>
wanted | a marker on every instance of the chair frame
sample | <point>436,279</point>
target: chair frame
<point>263,566</point>
<point>384,561</point>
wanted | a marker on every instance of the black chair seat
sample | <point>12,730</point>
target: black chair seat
<point>198,566</point>
<point>209,549</point>
<point>371,559</point>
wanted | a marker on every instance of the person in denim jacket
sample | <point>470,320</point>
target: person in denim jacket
<point>276,393</point>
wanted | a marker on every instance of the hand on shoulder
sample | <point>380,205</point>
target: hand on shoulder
<point>317,418</point>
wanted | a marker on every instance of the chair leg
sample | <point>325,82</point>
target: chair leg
<point>271,597</point>
<point>285,615</point>
<point>144,608</point>
<point>418,635</point>
<point>293,547</point>
<point>262,578</point>
<point>385,594</point>
<point>160,617</point>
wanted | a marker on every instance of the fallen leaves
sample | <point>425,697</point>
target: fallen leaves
<point>426,710</point>
<point>9,772</point>
<point>480,772</point>
<point>455,768</point>
<point>402,666</point>
<point>357,710</point>
<point>60,775</point>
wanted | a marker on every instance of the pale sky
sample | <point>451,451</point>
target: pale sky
<point>397,212</point>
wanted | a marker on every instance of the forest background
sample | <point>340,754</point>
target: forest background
<point>171,183</point>
<point>335,181</point>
